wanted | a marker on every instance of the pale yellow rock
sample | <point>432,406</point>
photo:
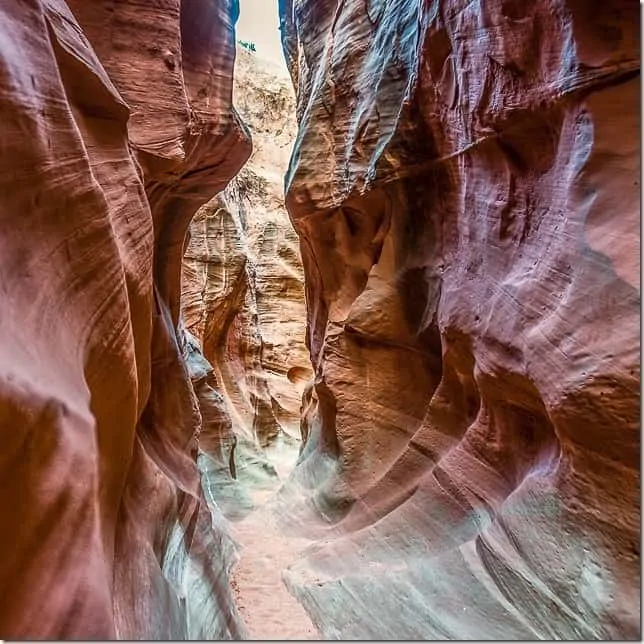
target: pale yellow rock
<point>243,291</point>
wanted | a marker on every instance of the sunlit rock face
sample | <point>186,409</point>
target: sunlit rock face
<point>117,125</point>
<point>465,184</point>
<point>243,291</point>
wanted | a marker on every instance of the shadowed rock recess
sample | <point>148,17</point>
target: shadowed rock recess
<point>464,187</point>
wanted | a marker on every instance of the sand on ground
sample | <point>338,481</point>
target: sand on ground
<point>268,609</point>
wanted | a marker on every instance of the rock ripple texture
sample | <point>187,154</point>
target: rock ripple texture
<point>465,184</point>
<point>117,125</point>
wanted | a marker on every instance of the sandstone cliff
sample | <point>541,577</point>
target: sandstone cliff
<point>117,125</point>
<point>243,291</point>
<point>465,184</point>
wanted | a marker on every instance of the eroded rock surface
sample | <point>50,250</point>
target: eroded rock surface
<point>117,125</point>
<point>243,292</point>
<point>465,183</point>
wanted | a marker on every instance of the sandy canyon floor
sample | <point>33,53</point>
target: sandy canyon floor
<point>268,609</point>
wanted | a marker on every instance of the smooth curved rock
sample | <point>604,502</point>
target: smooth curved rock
<point>465,184</point>
<point>117,124</point>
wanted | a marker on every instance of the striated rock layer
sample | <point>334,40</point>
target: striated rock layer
<point>243,291</point>
<point>465,185</point>
<point>117,125</point>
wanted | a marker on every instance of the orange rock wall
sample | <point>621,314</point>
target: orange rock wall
<point>465,184</point>
<point>117,124</point>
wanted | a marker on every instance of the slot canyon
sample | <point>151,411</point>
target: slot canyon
<point>340,346</point>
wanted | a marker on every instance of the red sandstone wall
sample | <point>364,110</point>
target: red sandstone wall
<point>117,124</point>
<point>465,184</point>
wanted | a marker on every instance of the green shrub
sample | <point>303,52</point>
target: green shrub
<point>247,45</point>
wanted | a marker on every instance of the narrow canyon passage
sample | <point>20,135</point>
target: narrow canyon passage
<point>320,320</point>
<point>243,302</point>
